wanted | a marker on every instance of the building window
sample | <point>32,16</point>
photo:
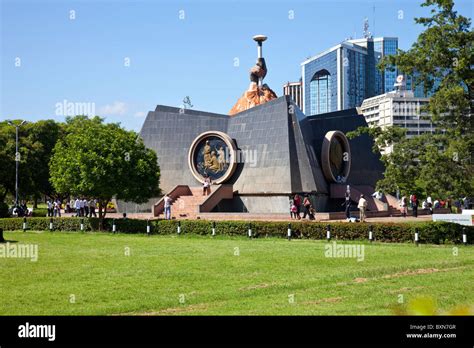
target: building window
<point>320,92</point>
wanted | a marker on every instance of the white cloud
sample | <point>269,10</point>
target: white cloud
<point>116,108</point>
<point>140,114</point>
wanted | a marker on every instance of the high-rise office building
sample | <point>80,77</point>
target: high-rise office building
<point>398,108</point>
<point>383,46</point>
<point>293,89</point>
<point>346,74</point>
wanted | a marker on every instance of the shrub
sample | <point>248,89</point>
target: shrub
<point>429,232</point>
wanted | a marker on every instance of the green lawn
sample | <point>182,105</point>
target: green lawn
<point>196,275</point>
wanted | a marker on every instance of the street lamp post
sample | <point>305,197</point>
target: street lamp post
<point>17,158</point>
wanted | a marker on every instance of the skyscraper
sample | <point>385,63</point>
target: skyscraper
<point>383,46</point>
<point>346,74</point>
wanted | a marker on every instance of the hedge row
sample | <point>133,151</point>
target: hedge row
<point>429,232</point>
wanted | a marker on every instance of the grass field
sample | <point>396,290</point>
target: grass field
<point>91,274</point>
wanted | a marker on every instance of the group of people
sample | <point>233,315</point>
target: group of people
<point>361,205</point>
<point>54,207</point>
<point>428,204</point>
<point>297,205</point>
<point>80,207</point>
<point>20,210</point>
<point>84,207</point>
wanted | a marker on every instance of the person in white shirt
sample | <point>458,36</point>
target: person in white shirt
<point>167,201</point>
<point>77,205</point>
<point>81,207</point>
<point>362,207</point>
<point>50,208</point>
<point>378,195</point>
<point>57,208</point>
<point>206,186</point>
<point>404,206</point>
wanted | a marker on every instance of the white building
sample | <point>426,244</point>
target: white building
<point>398,108</point>
<point>293,89</point>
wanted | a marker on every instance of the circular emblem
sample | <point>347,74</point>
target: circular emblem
<point>336,157</point>
<point>212,154</point>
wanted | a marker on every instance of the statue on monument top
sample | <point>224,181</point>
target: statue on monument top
<point>257,93</point>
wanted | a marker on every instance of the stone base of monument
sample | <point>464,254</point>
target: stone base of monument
<point>266,154</point>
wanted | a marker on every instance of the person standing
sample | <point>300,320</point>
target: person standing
<point>92,204</point>
<point>414,205</point>
<point>297,203</point>
<point>50,208</point>
<point>306,206</point>
<point>429,202</point>
<point>81,207</point>
<point>293,211</point>
<point>404,206</point>
<point>362,207</point>
<point>167,201</point>
<point>206,186</point>
<point>291,207</point>
<point>347,204</point>
<point>77,206</point>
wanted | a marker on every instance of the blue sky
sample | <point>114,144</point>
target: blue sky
<point>84,59</point>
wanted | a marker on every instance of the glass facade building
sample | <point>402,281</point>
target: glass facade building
<point>388,47</point>
<point>320,92</point>
<point>319,84</point>
<point>343,76</point>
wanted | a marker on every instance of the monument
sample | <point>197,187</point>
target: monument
<point>259,155</point>
<point>257,93</point>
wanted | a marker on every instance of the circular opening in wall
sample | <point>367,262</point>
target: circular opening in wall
<point>336,157</point>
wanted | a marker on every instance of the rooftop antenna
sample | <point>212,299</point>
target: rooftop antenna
<point>367,33</point>
<point>373,18</point>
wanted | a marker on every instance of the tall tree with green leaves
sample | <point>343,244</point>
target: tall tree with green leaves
<point>443,53</point>
<point>101,161</point>
<point>36,142</point>
<point>441,60</point>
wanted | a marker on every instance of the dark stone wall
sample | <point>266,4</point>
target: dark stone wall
<point>366,167</point>
<point>284,148</point>
<point>170,133</point>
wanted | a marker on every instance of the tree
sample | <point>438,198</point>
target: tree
<point>7,160</point>
<point>441,60</point>
<point>102,161</point>
<point>36,142</point>
<point>40,139</point>
<point>418,165</point>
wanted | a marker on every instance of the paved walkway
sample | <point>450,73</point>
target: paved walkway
<point>397,219</point>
